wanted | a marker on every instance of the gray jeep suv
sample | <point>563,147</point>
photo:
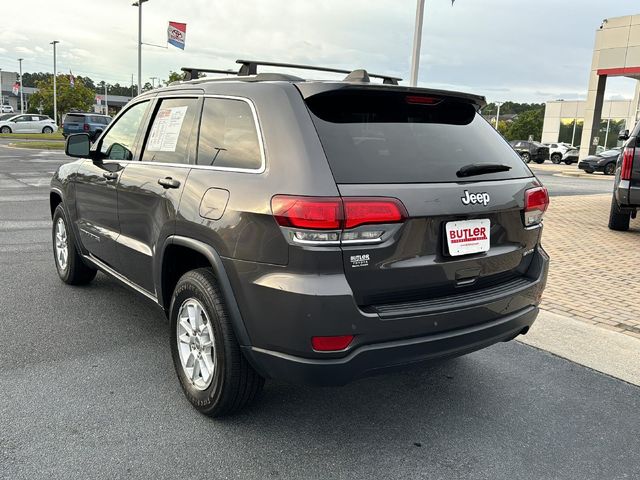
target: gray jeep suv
<point>308,231</point>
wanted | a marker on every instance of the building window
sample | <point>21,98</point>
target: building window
<point>608,132</point>
<point>570,130</point>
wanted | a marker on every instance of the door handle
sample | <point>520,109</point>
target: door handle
<point>110,175</point>
<point>168,182</point>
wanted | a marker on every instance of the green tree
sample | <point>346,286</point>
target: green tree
<point>173,77</point>
<point>69,98</point>
<point>528,123</point>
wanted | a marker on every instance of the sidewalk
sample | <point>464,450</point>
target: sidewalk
<point>594,272</point>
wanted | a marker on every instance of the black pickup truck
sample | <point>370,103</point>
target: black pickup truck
<point>626,187</point>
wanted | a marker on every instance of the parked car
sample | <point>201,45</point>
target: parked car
<point>7,109</point>
<point>602,162</point>
<point>28,123</point>
<point>263,213</point>
<point>531,150</point>
<point>92,124</point>
<point>557,151</point>
<point>625,202</point>
<point>571,156</point>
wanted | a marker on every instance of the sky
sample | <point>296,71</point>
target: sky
<point>518,50</point>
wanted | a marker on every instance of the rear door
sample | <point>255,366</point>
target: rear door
<point>73,123</point>
<point>413,147</point>
<point>149,191</point>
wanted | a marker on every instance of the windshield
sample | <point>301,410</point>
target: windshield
<point>373,136</point>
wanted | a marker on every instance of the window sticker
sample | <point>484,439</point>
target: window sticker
<point>166,129</point>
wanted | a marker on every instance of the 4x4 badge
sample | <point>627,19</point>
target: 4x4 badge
<point>473,198</point>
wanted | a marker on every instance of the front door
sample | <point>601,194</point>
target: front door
<point>149,191</point>
<point>96,182</point>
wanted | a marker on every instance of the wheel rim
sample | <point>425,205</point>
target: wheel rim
<point>62,248</point>
<point>4,130</point>
<point>196,346</point>
<point>48,130</point>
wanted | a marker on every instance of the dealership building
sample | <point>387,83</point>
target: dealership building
<point>594,121</point>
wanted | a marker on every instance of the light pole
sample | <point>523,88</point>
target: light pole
<point>21,92</point>
<point>498,114</point>
<point>139,5</point>
<point>417,40</point>
<point>1,94</point>
<point>55,94</point>
<point>106,100</point>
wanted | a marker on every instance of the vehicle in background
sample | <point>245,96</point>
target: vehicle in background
<point>571,156</point>
<point>557,151</point>
<point>28,123</point>
<point>604,162</point>
<point>7,109</point>
<point>625,201</point>
<point>92,124</point>
<point>529,151</point>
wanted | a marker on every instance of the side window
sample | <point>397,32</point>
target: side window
<point>228,135</point>
<point>117,144</point>
<point>169,138</point>
<point>21,118</point>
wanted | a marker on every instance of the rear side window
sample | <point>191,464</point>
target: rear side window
<point>171,130</point>
<point>228,135</point>
<point>392,137</point>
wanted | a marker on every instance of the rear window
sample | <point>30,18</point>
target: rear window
<point>74,118</point>
<point>391,137</point>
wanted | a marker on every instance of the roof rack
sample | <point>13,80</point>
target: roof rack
<point>250,67</point>
<point>192,73</point>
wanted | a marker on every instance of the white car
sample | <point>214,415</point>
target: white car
<point>7,109</point>
<point>27,123</point>
<point>557,151</point>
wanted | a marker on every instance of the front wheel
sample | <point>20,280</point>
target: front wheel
<point>5,130</point>
<point>71,268</point>
<point>556,158</point>
<point>567,162</point>
<point>213,373</point>
<point>539,161</point>
<point>47,130</point>
<point>618,220</point>
<point>526,157</point>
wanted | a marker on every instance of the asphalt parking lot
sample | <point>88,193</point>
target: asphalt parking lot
<point>89,391</point>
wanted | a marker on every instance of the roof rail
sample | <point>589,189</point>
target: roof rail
<point>250,67</point>
<point>192,73</point>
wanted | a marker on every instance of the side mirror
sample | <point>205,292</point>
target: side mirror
<point>78,145</point>
<point>623,135</point>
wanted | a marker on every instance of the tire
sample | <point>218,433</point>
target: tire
<point>618,220</point>
<point>610,168</point>
<point>539,161</point>
<point>5,129</point>
<point>232,383</point>
<point>589,171</point>
<point>47,130</point>
<point>73,270</point>
<point>568,163</point>
<point>526,157</point>
<point>556,158</point>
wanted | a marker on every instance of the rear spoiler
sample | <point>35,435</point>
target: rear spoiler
<point>309,89</point>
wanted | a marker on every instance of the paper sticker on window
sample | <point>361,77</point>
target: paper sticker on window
<point>166,129</point>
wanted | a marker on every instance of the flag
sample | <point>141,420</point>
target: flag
<point>72,79</point>
<point>176,34</point>
<point>16,88</point>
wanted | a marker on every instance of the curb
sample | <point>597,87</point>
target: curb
<point>594,347</point>
<point>583,175</point>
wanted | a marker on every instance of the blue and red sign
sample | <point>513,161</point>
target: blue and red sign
<point>177,34</point>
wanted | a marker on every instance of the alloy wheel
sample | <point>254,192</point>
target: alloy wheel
<point>196,345</point>
<point>62,247</point>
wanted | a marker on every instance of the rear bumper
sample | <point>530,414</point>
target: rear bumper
<point>627,194</point>
<point>377,358</point>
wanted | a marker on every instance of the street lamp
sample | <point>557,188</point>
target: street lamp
<point>498,114</point>
<point>55,73</point>
<point>417,39</point>
<point>106,100</point>
<point>139,5</point>
<point>21,91</point>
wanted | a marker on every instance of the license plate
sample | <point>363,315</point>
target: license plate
<point>468,236</point>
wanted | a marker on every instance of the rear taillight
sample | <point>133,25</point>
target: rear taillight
<point>627,163</point>
<point>536,201</point>
<point>331,344</point>
<point>85,127</point>
<point>330,220</point>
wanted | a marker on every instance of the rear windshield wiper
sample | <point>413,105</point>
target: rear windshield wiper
<point>481,168</point>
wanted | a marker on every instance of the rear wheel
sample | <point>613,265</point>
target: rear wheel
<point>71,268</point>
<point>610,168</point>
<point>47,130</point>
<point>539,161</point>
<point>556,158</point>
<point>618,220</point>
<point>589,171</point>
<point>213,373</point>
<point>568,162</point>
<point>5,130</point>
<point>526,157</point>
